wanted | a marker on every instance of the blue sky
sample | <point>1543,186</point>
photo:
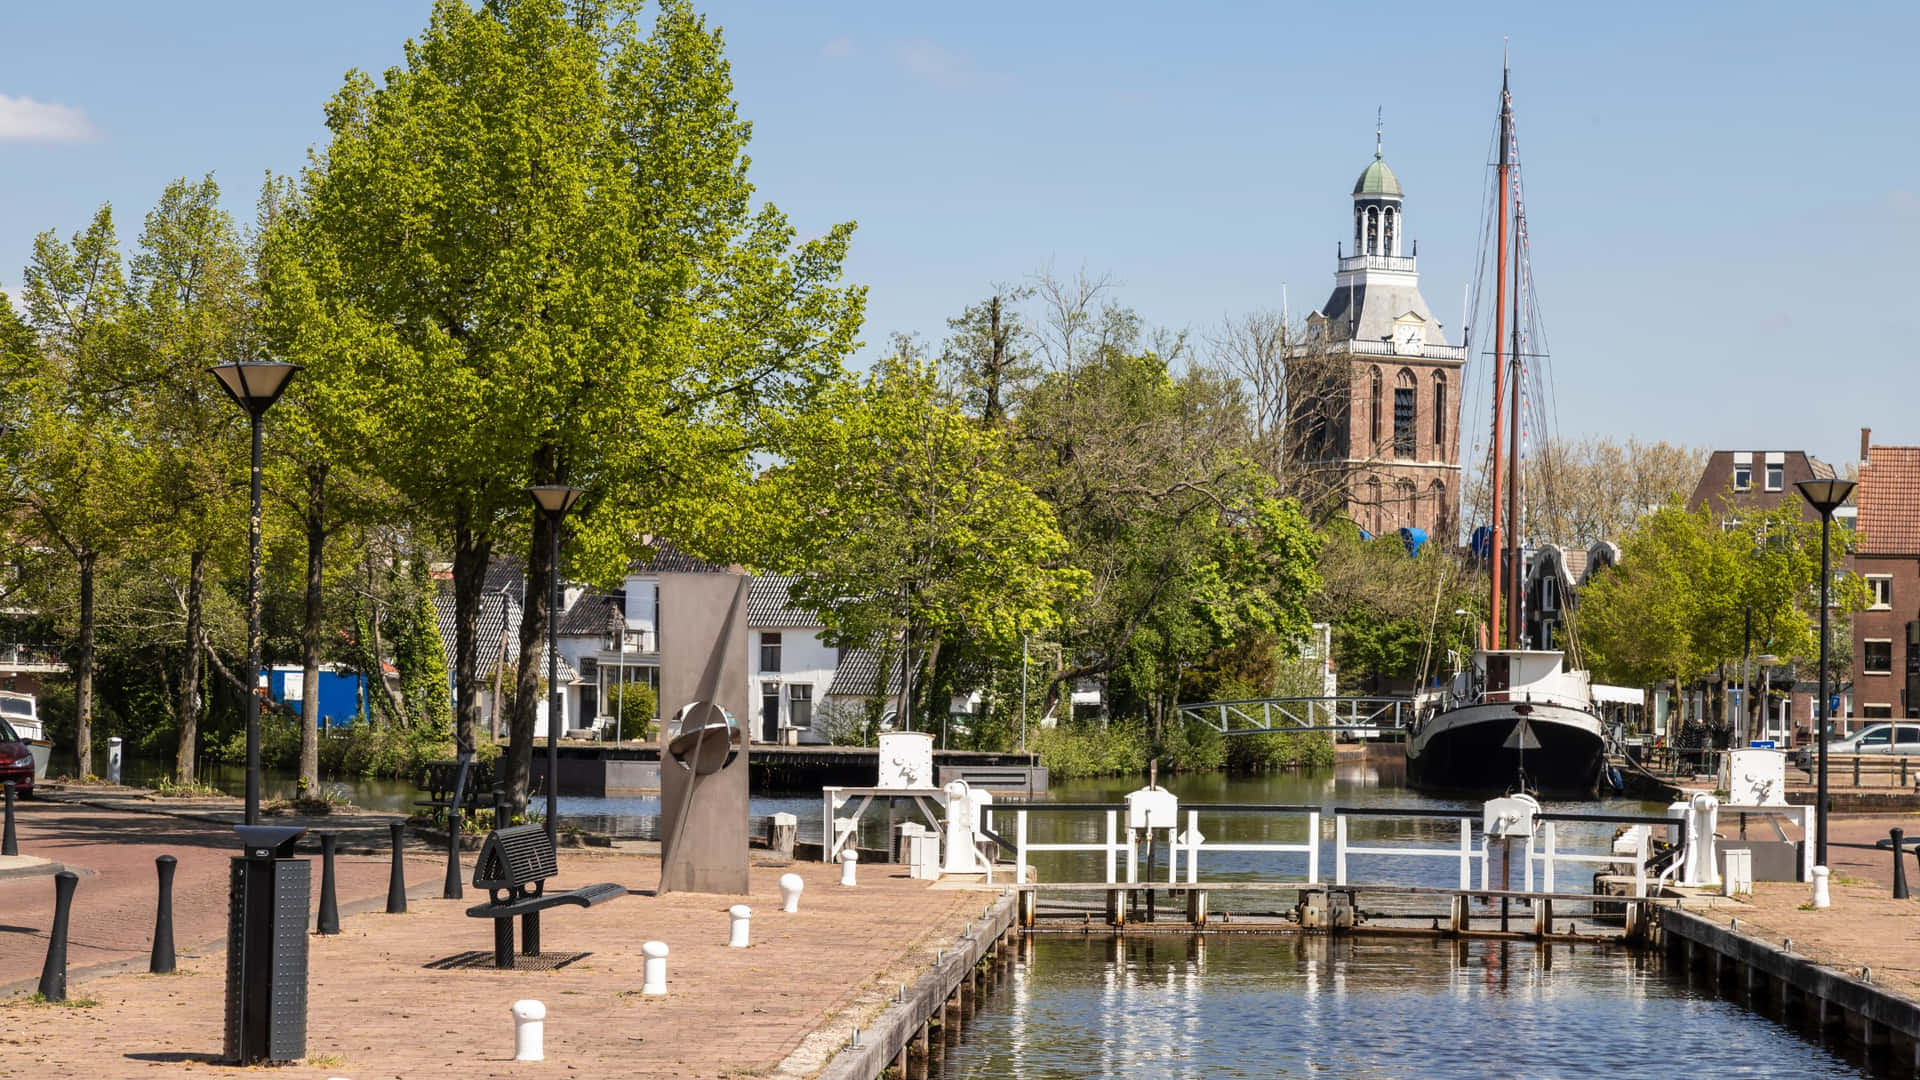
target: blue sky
<point>1723,199</point>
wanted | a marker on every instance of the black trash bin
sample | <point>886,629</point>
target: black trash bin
<point>267,947</point>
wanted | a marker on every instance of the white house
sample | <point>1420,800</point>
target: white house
<point>790,666</point>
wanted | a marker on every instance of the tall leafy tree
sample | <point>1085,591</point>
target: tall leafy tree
<point>906,525</point>
<point>192,293</point>
<point>75,458</point>
<point>532,255</point>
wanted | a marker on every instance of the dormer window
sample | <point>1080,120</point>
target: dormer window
<point>1743,477</point>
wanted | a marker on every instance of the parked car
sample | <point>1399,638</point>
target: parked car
<point>16,759</point>
<point>1887,738</point>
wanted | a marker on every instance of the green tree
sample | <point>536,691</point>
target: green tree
<point>192,310</point>
<point>1676,606</point>
<point>907,527</point>
<point>533,252</point>
<point>73,453</point>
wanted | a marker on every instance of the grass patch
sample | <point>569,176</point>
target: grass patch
<point>168,788</point>
<point>1848,879</point>
<point>327,1061</point>
<point>37,1000</point>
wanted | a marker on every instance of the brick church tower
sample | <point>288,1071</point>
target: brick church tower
<point>1387,435</point>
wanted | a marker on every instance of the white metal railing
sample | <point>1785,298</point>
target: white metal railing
<point>1193,843</point>
<point>1347,714</point>
<point>1113,847</point>
<point>1464,853</point>
<point>1549,856</point>
<point>1543,849</point>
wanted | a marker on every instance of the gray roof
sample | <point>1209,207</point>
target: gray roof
<point>667,559</point>
<point>768,605</point>
<point>1366,313</point>
<point>858,673</point>
<point>497,625</point>
<point>594,614</point>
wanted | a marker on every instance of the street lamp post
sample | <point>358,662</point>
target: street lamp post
<point>555,500</point>
<point>254,386</point>
<point>1825,496</point>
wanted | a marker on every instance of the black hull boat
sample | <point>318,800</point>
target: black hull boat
<point>1484,750</point>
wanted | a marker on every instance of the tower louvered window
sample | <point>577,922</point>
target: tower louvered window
<point>1404,394</point>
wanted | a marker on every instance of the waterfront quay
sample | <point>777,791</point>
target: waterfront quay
<point>415,994</point>
<point>886,974</point>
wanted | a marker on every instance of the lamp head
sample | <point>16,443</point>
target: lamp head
<point>555,499</point>
<point>255,384</point>
<point>1824,495</point>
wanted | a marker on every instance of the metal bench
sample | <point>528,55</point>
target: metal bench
<point>440,778</point>
<point>514,866</point>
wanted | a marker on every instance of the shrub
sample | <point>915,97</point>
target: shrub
<point>1076,752</point>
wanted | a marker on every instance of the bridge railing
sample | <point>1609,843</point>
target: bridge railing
<point>1193,841</point>
<point>1545,850</point>
<point>1258,715</point>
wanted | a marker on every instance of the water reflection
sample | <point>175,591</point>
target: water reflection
<point>1246,1006</point>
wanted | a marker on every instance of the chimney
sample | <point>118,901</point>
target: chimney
<point>1866,439</point>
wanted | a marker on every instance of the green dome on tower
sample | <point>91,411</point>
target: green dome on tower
<point>1377,180</point>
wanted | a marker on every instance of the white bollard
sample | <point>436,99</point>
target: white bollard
<point>1821,897</point>
<point>848,860</point>
<point>529,1030</point>
<point>656,967</point>
<point>741,915</point>
<point>790,887</point>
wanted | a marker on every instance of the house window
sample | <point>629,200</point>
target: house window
<point>1403,410</point>
<point>769,651</point>
<point>1743,477</point>
<point>1373,411</point>
<point>1876,657</point>
<point>800,705</point>
<point>1876,712</point>
<point>1880,588</point>
<point>1439,414</point>
<point>1776,476</point>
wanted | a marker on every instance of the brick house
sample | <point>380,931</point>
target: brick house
<point>1886,636</point>
<point>1734,480</point>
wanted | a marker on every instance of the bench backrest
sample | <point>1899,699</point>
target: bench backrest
<point>441,775</point>
<point>514,858</point>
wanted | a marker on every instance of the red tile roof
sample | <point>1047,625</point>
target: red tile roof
<point>1889,501</point>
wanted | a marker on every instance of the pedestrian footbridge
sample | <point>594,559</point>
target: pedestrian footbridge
<point>1361,717</point>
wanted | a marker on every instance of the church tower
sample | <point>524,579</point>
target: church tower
<point>1386,438</point>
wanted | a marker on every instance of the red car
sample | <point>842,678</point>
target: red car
<point>16,760</point>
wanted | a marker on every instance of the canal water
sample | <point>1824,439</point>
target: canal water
<point>1227,1006</point>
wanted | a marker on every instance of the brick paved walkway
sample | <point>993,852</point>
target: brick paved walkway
<point>386,996</point>
<point>1864,927</point>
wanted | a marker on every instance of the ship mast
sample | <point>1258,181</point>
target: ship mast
<point>1496,550</point>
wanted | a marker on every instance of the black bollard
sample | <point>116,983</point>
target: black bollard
<point>397,883</point>
<point>10,841</point>
<point>53,977</point>
<point>162,961</point>
<point>1899,864</point>
<point>452,890</point>
<point>329,922</point>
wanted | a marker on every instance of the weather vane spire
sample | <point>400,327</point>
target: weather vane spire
<point>1378,113</point>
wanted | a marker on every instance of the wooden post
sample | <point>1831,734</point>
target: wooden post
<point>1197,907</point>
<point>917,1050</point>
<point>1457,917</point>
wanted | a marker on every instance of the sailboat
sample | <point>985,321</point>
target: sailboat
<point>1514,719</point>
